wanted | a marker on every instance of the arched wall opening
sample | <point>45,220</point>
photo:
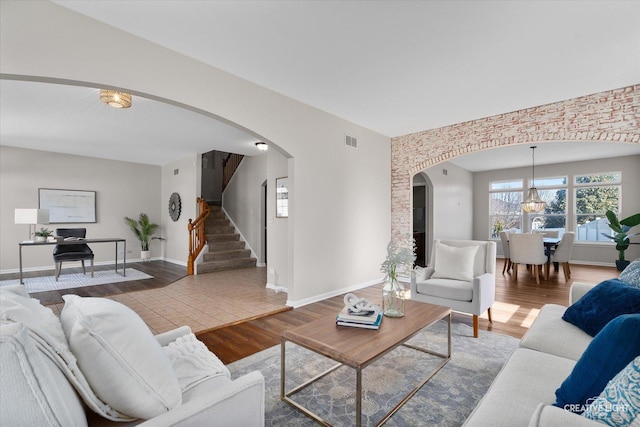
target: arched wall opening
<point>47,40</point>
<point>606,117</point>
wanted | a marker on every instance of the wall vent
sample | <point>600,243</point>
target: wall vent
<point>350,141</point>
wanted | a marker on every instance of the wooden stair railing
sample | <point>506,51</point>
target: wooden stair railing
<point>229,166</point>
<point>197,234</point>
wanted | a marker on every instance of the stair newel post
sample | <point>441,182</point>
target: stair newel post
<point>197,234</point>
<point>190,259</point>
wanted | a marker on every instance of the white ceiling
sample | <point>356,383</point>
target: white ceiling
<point>396,67</point>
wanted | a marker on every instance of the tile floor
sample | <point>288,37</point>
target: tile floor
<point>204,301</point>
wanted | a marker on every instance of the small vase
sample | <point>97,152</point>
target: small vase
<point>41,239</point>
<point>393,298</point>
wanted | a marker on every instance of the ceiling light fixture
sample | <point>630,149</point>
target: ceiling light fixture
<point>262,146</point>
<point>115,99</point>
<point>533,202</point>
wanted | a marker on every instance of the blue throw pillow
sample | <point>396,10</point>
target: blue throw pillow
<point>631,274</point>
<point>601,304</point>
<point>609,352</point>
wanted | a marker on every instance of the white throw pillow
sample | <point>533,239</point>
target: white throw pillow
<point>46,331</point>
<point>454,263</point>
<point>33,391</point>
<point>122,361</point>
<point>192,361</point>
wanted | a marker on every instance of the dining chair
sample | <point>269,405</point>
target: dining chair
<point>75,252</point>
<point>562,254</point>
<point>504,239</point>
<point>528,249</point>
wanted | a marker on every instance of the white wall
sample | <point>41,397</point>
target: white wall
<point>123,189</point>
<point>340,212</point>
<point>242,200</point>
<point>452,201</point>
<point>278,229</point>
<point>187,184</point>
<point>591,253</point>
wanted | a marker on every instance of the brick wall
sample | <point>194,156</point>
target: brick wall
<point>611,116</point>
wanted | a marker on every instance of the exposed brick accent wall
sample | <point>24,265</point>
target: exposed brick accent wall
<point>611,116</point>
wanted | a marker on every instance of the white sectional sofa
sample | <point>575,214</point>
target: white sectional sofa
<point>98,358</point>
<point>523,392</point>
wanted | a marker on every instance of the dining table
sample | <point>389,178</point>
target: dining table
<point>549,244</point>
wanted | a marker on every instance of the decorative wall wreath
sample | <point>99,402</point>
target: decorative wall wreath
<point>175,206</point>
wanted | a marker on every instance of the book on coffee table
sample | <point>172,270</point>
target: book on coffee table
<point>365,323</point>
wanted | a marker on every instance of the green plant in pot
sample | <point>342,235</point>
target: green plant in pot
<point>622,236</point>
<point>43,234</point>
<point>144,230</point>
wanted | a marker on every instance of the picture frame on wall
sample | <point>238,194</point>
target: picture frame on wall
<point>68,206</point>
<point>282,197</point>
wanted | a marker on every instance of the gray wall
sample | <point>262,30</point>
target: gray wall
<point>123,189</point>
<point>600,253</point>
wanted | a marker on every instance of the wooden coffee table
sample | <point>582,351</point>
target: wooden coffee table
<point>358,348</point>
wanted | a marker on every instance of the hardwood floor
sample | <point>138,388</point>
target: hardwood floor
<point>163,274</point>
<point>517,305</point>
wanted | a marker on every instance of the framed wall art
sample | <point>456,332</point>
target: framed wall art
<point>68,206</point>
<point>282,197</point>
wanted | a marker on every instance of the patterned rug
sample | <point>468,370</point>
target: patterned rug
<point>77,280</point>
<point>446,400</point>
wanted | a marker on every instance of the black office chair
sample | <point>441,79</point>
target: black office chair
<point>79,252</point>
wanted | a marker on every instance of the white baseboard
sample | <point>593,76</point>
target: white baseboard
<point>276,288</point>
<point>317,298</point>
<point>129,260</point>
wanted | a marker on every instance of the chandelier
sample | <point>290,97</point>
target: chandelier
<point>533,202</point>
<point>115,99</point>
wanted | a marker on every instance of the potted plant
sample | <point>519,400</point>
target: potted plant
<point>143,229</point>
<point>621,228</point>
<point>43,234</point>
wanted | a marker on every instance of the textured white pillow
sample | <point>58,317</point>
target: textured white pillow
<point>33,391</point>
<point>122,361</point>
<point>192,361</point>
<point>454,263</point>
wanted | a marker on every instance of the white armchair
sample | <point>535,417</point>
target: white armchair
<point>461,275</point>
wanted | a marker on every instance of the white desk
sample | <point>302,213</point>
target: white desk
<point>76,242</point>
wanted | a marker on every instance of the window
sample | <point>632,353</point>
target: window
<point>553,191</point>
<point>594,195</point>
<point>504,204</point>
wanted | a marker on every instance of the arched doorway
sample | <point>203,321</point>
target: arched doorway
<point>609,116</point>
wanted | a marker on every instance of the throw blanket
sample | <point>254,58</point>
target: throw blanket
<point>192,361</point>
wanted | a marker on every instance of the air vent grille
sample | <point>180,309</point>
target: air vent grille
<point>351,141</point>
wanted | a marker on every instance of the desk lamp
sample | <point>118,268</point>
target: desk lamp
<point>32,217</point>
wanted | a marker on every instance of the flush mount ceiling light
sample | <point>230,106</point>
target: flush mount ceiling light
<point>115,99</point>
<point>262,146</point>
<point>533,202</point>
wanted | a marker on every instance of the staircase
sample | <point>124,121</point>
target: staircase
<point>226,250</point>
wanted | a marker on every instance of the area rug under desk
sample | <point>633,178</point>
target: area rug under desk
<point>77,280</point>
<point>446,400</point>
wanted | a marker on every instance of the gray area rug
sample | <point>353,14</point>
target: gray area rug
<point>77,280</point>
<point>446,400</point>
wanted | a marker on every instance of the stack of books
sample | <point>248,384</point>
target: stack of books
<point>369,319</point>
